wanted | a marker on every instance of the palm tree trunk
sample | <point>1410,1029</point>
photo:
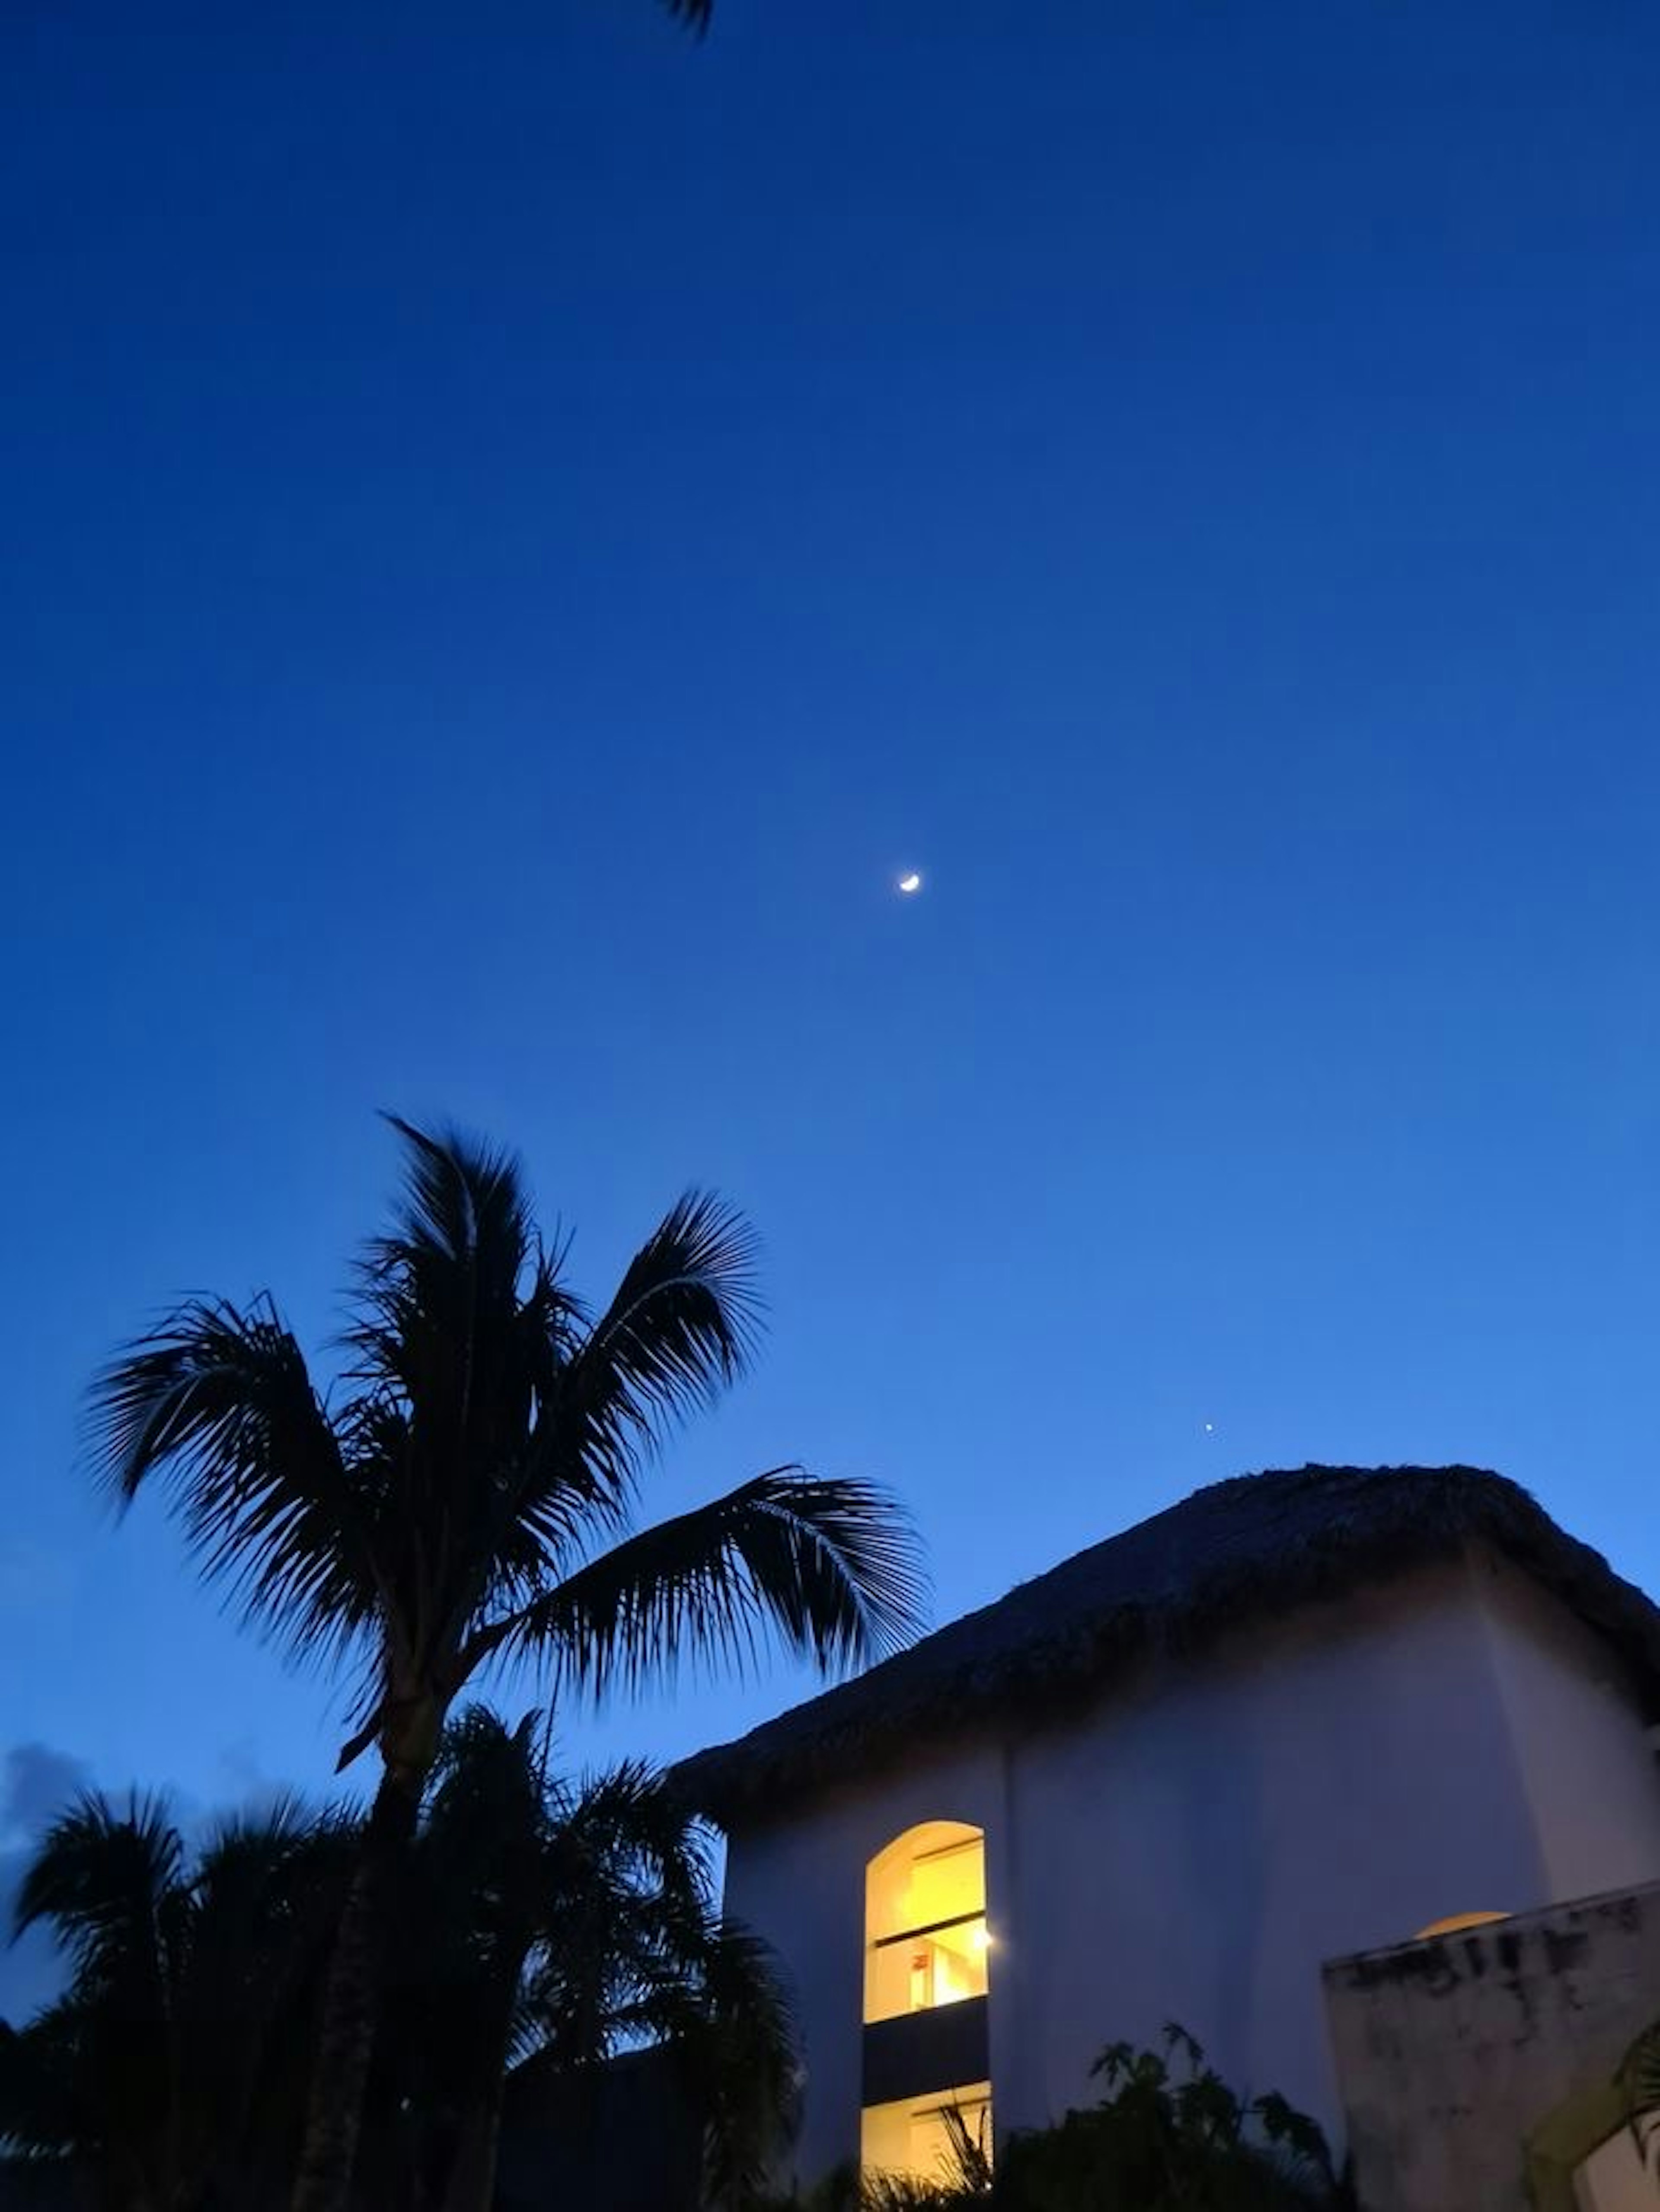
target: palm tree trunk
<point>345,2041</point>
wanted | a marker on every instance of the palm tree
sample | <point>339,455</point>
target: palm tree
<point>90,2078</point>
<point>561,1924</point>
<point>470,1496</point>
<point>156,2074</point>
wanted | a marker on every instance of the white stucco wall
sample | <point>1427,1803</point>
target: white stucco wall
<point>1479,2070</point>
<point>801,1884</point>
<point>1335,1782</point>
<point>1194,1848</point>
<point>1588,1769</point>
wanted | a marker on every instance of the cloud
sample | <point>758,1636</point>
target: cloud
<point>36,1783</point>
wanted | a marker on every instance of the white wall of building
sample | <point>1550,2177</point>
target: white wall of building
<point>1194,1847</point>
<point>1199,1849</point>
<point>801,1884</point>
<point>1479,2071</point>
<point>1588,1769</point>
<point>1614,2179</point>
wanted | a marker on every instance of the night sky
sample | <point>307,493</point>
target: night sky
<point>517,527</point>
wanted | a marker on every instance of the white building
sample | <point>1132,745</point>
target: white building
<point>1299,1716</point>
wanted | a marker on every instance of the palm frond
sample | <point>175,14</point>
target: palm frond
<point>264,1894</point>
<point>478,1746</point>
<point>966,2158</point>
<point>486,1821</point>
<point>683,1326</point>
<point>830,1567</point>
<point>218,1403</point>
<point>603,1395</point>
<point>44,2107</point>
<point>102,1879</point>
<point>463,1200</point>
<point>742,2056</point>
<point>628,1812</point>
<point>247,1854</point>
<point>447,1274</point>
<point>462,1333</point>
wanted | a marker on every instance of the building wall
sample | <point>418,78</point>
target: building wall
<point>1588,1767</point>
<point>1191,1848</point>
<point>626,2137</point>
<point>1197,1849</point>
<point>1479,2070</point>
<point>801,1884</point>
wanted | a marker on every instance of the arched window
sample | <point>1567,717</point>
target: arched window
<point>928,2101</point>
<point>1457,1924</point>
<point>926,1940</point>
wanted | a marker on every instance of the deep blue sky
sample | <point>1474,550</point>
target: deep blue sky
<point>517,525</point>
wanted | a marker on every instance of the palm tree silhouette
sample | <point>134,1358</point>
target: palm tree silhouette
<point>469,1495</point>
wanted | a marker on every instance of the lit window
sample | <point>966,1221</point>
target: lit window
<point>941,2139</point>
<point>926,1940</point>
<point>1457,1923</point>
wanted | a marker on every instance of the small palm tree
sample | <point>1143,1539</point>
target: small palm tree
<point>542,1924</point>
<point>157,2070</point>
<point>561,1925</point>
<point>469,1496</point>
<point>90,2076</point>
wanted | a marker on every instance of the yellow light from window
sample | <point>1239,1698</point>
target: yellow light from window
<point>1457,1923</point>
<point>925,1928</point>
<point>915,2140</point>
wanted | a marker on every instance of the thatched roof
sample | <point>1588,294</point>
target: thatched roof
<point>1255,1545</point>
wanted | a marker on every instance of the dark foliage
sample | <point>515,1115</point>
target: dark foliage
<point>170,2073</point>
<point>1168,2135</point>
<point>541,1925</point>
<point>470,1492</point>
<point>559,1926</point>
<point>472,1489</point>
